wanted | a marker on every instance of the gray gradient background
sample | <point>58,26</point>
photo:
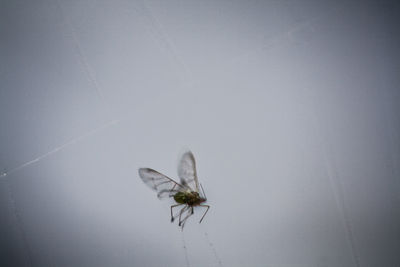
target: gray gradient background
<point>291,109</point>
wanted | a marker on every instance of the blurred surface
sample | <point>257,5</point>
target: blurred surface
<point>291,109</point>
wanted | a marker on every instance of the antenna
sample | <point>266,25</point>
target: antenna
<point>203,191</point>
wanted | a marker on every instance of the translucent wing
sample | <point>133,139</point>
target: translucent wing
<point>163,185</point>
<point>187,172</point>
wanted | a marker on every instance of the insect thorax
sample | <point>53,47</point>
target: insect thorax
<point>190,198</point>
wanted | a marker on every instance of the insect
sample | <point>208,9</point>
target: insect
<point>185,193</point>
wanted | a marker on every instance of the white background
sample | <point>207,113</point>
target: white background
<point>291,109</point>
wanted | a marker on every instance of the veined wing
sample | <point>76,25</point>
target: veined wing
<point>187,171</point>
<point>163,185</point>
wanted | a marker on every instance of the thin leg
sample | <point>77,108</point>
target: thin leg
<point>173,206</point>
<point>180,214</point>
<point>187,216</point>
<point>206,206</point>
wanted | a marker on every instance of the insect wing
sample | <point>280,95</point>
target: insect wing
<point>187,172</point>
<point>163,185</point>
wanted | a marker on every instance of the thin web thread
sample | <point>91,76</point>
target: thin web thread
<point>185,249</point>
<point>18,223</point>
<point>287,34</point>
<point>335,184</point>
<point>340,200</point>
<point>211,245</point>
<point>49,153</point>
<point>83,61</point>
<point>166,41</point>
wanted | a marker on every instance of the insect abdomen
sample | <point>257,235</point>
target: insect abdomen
<point>180,198</point>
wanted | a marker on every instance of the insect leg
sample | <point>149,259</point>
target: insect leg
<point>180,214</point>
<point>173,206</point>
<point>187,216</point>
<point>206,206</point>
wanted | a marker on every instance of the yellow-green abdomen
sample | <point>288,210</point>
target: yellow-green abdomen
<point>180,198</point>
